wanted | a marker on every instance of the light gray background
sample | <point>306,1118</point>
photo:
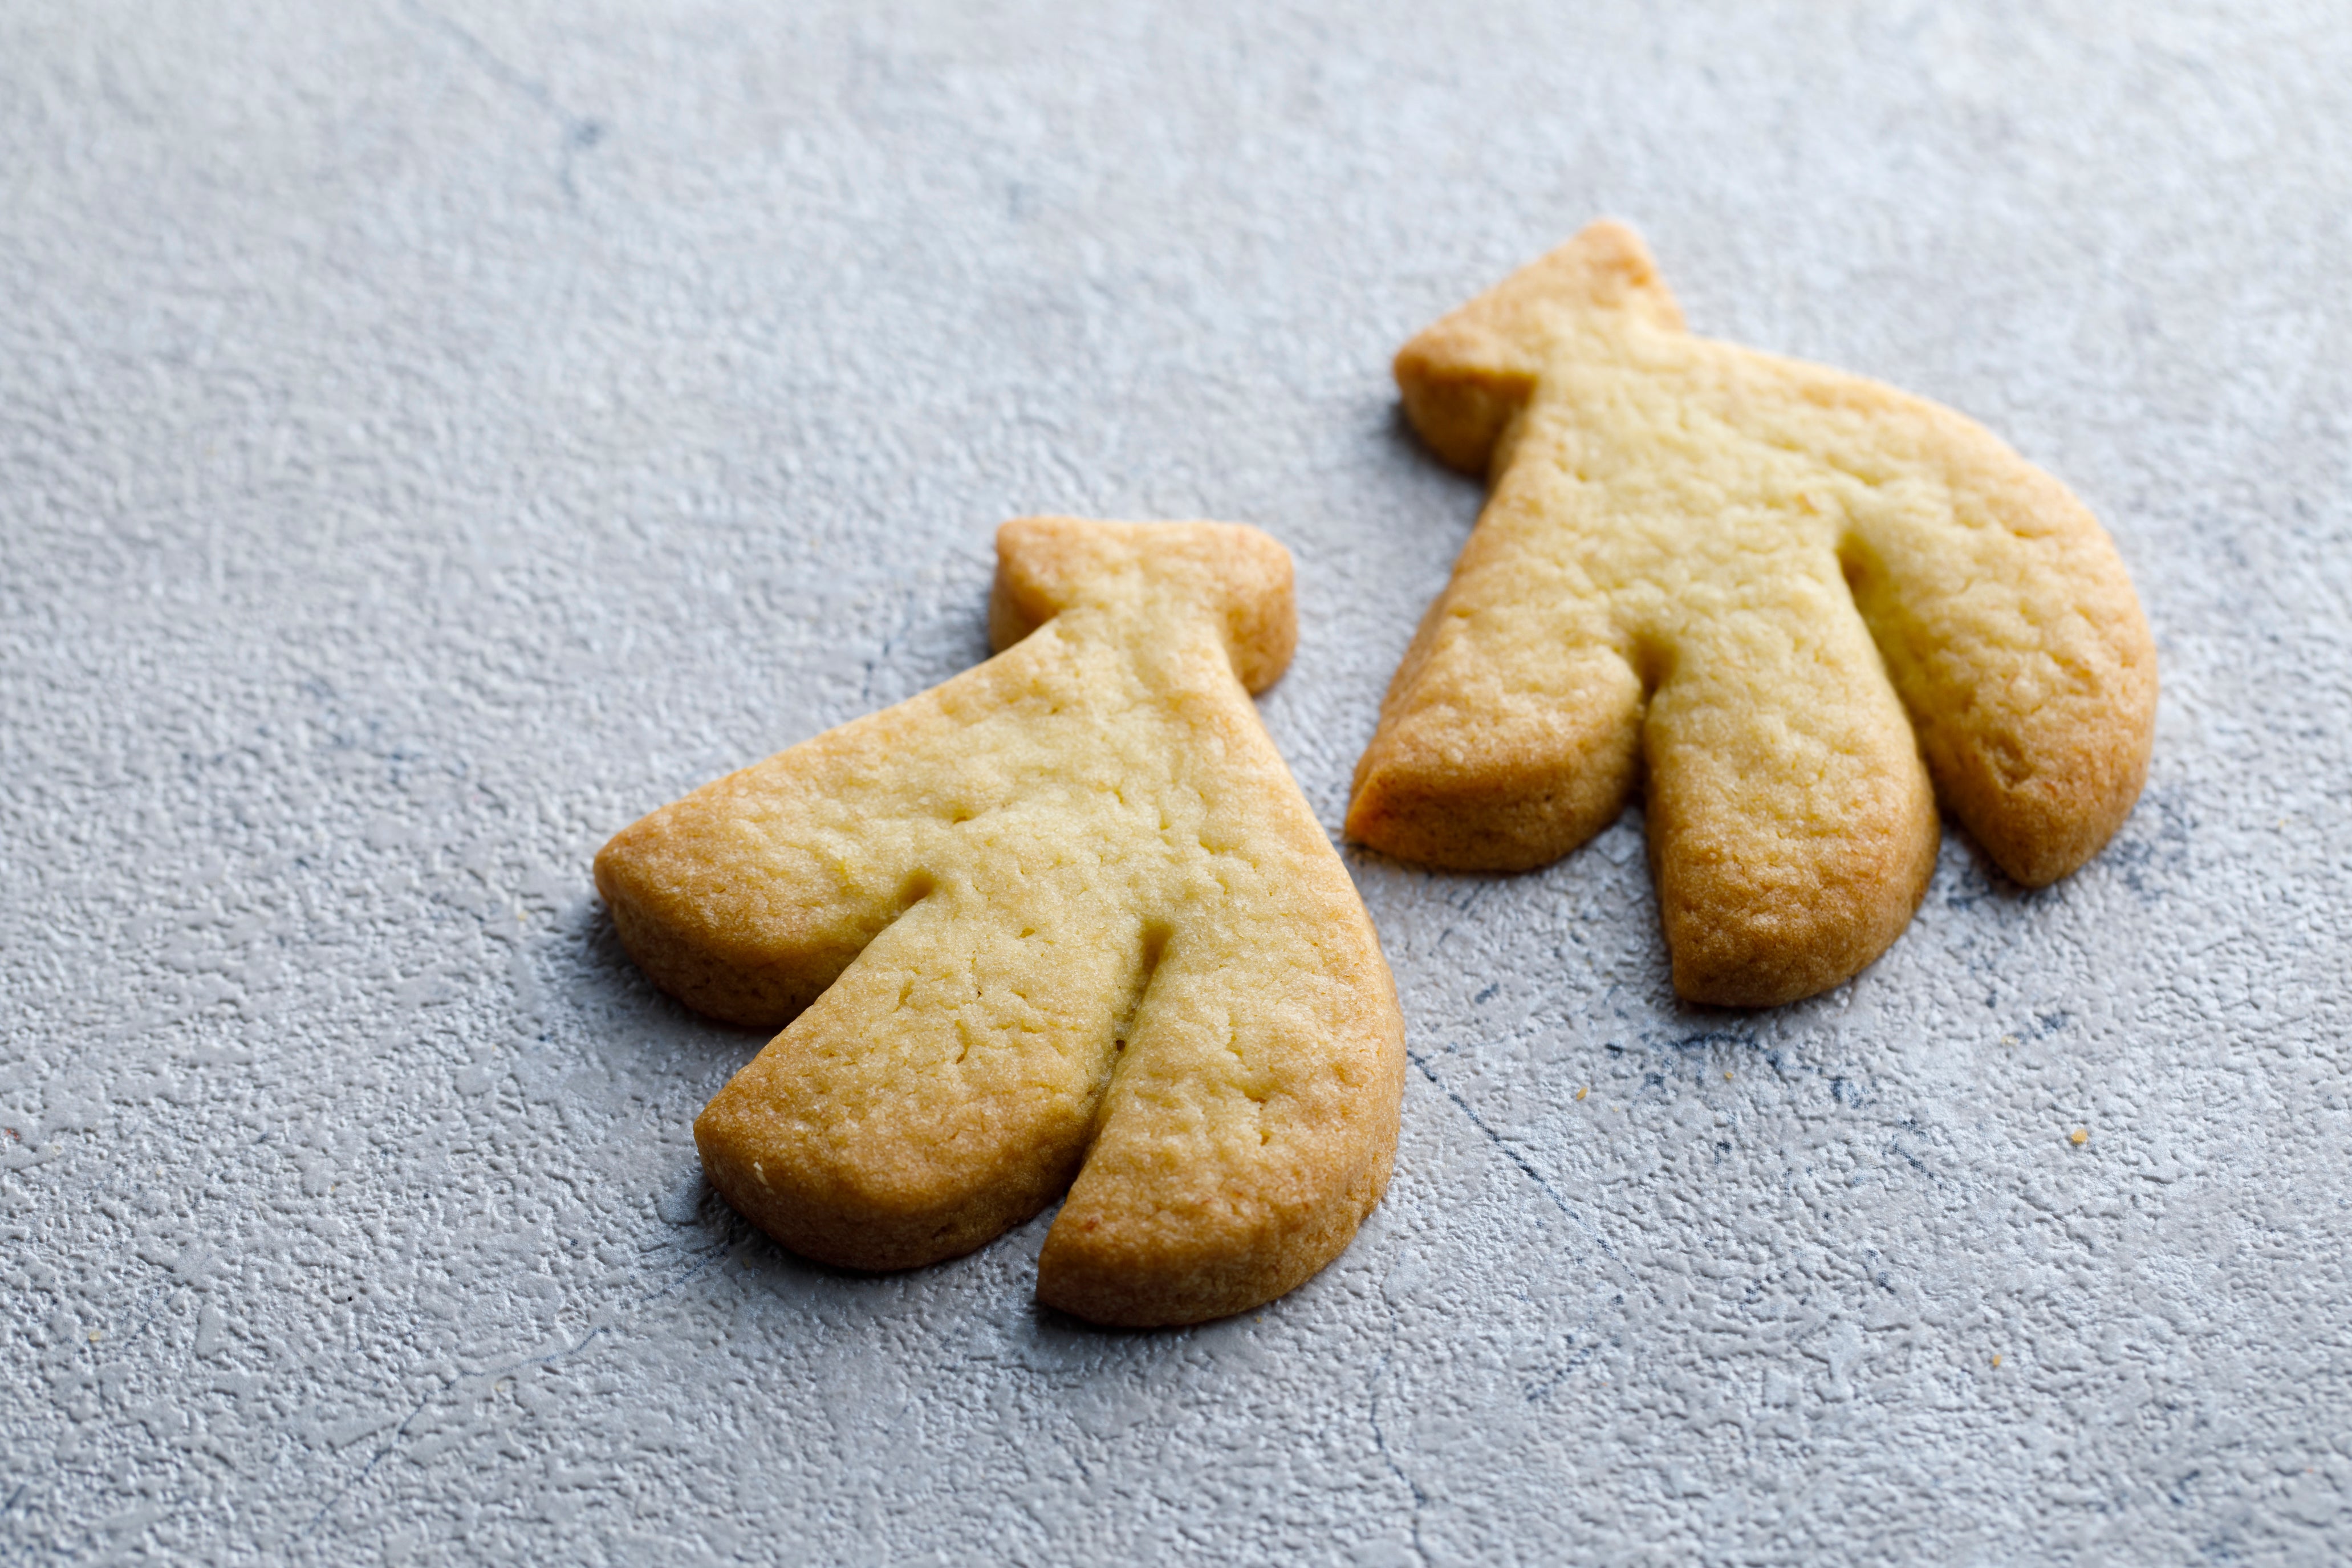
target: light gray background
<point>429,440</point>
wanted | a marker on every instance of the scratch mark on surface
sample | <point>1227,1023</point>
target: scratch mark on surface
<point>581,132</point>
<point>1516,1158</point>
<point>702,1264</point>
<point>1380,1437</point>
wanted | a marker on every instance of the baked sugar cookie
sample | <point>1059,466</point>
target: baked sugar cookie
<point>1782,598</point>
<point>1062,923</point>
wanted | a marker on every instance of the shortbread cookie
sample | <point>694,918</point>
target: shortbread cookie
<point>1066,916</point>
<point>1790,596</point>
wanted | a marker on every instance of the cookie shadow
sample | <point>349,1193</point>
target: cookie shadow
<point>1003,1277</point>
<point>1404,451</point>
<point>783,1272</point>
<point>1403,441</point>
<point>638,1022</point>
<point>1975,878</point>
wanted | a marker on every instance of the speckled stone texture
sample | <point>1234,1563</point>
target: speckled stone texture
<point>429,440</point>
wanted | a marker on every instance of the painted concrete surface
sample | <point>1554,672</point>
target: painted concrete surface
<point>430,439</point>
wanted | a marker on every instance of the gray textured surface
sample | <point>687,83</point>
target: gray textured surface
<point>426,446</point>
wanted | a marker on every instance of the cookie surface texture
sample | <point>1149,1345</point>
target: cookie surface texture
<point>1064,923</point>
<point>1779,599</point>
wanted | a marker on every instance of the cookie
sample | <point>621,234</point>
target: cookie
<point>1794,607</point>
<point>1064,923</point>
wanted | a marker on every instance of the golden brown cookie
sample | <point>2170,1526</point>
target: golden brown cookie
<point>1789,596</point>
<point>1066,916</point>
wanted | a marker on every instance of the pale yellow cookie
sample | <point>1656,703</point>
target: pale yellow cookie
<point>1066,916</point>
<point>1789,596</point>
